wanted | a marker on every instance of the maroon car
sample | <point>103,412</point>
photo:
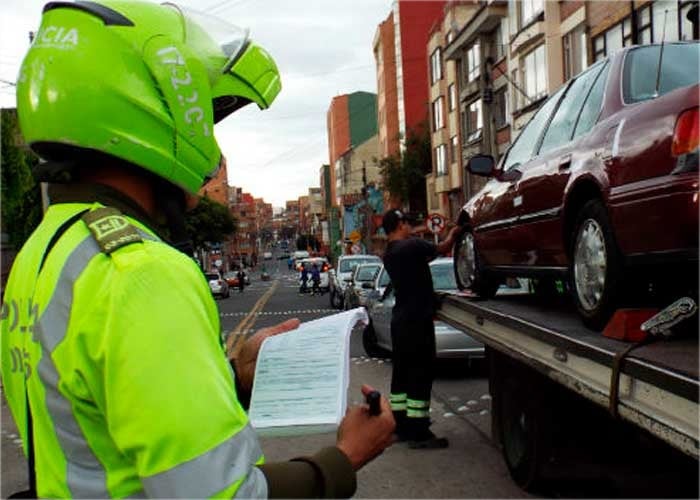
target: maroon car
<point>601,181</point>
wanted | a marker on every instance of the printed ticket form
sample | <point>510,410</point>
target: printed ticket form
<point>302,377</point>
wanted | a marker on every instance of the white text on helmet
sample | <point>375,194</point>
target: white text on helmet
<point>57,36</point>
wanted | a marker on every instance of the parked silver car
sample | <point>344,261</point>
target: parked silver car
<point>344,269</point>
<point>450,342</point>
<point>356,293</point>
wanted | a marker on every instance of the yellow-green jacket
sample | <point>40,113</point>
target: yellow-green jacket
<point>130,393</point>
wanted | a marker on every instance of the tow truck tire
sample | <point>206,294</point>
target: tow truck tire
<point>595,255</point>
<point>522,420</point>
<point>469,272</point>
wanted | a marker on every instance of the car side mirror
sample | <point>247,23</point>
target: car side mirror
<point>483,165</point>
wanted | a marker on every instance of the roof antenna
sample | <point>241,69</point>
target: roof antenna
<point>661,56</point>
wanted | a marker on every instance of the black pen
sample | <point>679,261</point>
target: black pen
<point>373,401</point>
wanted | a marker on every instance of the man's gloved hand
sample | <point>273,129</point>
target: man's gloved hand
<point>248,355</point>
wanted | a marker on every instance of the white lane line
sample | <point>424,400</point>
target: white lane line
<point>278,313</point>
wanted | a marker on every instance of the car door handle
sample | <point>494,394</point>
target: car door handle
<point>565,162</point>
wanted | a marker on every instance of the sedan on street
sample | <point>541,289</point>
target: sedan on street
<point>450,342</point>
<point>356,292</point>
<point>217,285</point>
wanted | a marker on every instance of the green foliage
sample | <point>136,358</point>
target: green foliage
<point>209,222</point>
<point>404,176</point>
<point>21,195</point>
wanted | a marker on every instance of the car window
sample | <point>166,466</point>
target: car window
<point>443,277</point>
<point>347,265</point>
<point>591,108</point>
<point>561,128</point>
<point>367,273</point>
<point>524,146</point>
<point>212,276</point>
<point>384,279</point>
<point>679,68</point>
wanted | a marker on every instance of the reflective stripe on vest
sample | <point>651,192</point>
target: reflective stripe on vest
<point>231,462</point>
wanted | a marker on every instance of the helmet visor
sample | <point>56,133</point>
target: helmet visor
<point>203,30</point>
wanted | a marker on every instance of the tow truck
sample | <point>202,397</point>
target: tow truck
<point>559,389</point>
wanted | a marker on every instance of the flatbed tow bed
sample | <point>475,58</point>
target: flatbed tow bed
<point>659,385</point>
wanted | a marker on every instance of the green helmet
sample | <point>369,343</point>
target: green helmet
<point>141,82</point>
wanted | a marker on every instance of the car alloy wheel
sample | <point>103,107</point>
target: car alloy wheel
<point>466,261</point>
<point>590,264</point>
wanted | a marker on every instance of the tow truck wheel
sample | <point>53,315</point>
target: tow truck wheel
<point>595,266</point>
<point>469,273</point>
<point>523,423</point>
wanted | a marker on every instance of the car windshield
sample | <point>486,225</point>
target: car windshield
<point>367,273</point>
<point>347,265</point>
<point>443,277</point>
<point>680,67</point>
<point>212,276</point>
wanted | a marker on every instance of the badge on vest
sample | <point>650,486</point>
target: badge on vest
<point>110,229</point>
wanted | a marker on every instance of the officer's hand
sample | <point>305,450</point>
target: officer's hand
<point>363,437</point>
<point>248,355</point>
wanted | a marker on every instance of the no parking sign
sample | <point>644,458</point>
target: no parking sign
<point>436,223</point>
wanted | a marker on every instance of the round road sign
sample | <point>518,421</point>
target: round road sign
<point>436,223</point>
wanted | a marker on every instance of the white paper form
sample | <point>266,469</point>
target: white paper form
<point>302,377</point>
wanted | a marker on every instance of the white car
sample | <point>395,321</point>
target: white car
<point>217,285</point>
<point>323,267</point>
<point>346,265</point>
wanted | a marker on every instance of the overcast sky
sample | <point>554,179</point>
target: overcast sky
<point>323,48</point>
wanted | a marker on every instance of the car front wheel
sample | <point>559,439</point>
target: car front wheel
<point>595,266</point>
<point>468,270</point>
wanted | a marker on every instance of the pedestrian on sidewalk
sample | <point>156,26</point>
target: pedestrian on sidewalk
<point>315,280</point>
<point>123,389</point>
<point>412,329</point>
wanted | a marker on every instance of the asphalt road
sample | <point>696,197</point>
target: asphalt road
<point>471,467</point>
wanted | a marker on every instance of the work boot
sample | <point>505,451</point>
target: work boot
<point>428,441</point>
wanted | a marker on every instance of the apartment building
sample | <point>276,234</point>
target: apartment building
<point>352,143</point>
<point>444,192</point>
<point>510,55</point>
<point>217,189</point>
<point>402,73</point>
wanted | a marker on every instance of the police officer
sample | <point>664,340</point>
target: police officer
<point>118,382</point>
<point>412,329</point>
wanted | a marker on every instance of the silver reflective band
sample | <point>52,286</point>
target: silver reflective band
<point>85,476</point>
<point>208,474</point>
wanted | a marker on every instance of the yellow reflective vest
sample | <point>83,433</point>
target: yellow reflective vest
<point>118,347</point>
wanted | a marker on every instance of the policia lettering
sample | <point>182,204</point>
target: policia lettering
<point>21,358</point>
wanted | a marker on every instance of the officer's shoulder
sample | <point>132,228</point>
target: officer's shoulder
<point>111,230</point>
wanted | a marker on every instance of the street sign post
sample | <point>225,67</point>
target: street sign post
<point>436,225</point>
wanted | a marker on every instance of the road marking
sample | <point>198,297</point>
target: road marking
<point>234,341</point>
<point>280,313</point>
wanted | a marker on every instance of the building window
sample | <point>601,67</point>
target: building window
<point>438,118</point>
<point>454,149</point>
<point>529,10</point>
<point>441,159</point>
<point>473,62</point>
<point>534,75</point>
<point>575,57</point>
<point>498,47</point>
<point>451,97</point>
<point>500,107</point>
<point>612,40</point>
<point>473,121</point>
<point>436,66</point>
<point>450,36</point>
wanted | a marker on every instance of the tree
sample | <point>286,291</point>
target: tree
<point>21,194</point>
<point>404,175</point>
<point>209,222</point>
